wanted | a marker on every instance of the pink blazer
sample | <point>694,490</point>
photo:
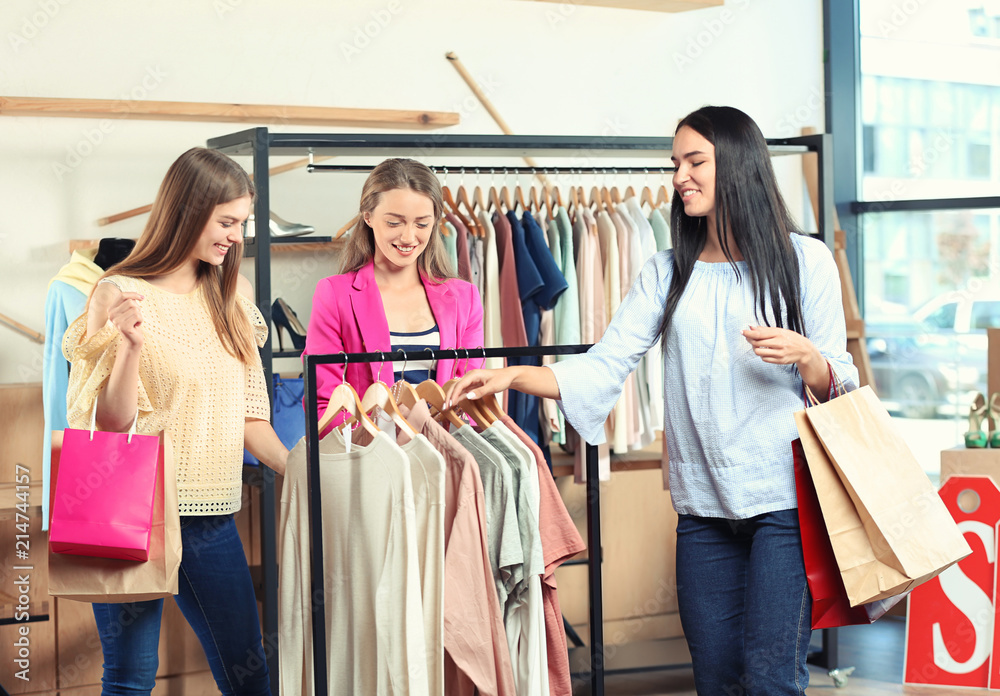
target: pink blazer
<point>348,316</point>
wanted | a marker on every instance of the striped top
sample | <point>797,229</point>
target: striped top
<point>413,344</point>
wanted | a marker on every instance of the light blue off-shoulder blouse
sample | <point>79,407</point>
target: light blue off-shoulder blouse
<point>728,420</point>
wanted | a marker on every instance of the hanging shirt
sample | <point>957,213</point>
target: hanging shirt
<point>427,471</point>
<point>461,247</point>
<point>374,607</point>
<point>639,246</point>
<point>511,318</point>
<point>629,391</point>
<point>506,555</point>
<point>524,614</point>
<point>476,652</point>
<point>568,307</point>
<point>661,229</point>
<point>560,541</point>
<point>450,239</point>
<point>476,262</point>
<point>492,333</point>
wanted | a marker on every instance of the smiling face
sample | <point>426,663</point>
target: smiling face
<point>223,230</point>
<point>694,179</point>
<point>402,224</point>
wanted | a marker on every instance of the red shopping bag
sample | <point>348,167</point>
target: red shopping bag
<point>105,492</point>
<point>830,605</point>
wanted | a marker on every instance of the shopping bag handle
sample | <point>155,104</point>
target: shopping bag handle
<point>835,382</point>
<point>93,423</point>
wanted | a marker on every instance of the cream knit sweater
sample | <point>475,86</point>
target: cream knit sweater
<point>189,386</point>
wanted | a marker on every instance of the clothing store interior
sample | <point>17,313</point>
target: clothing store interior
<point>533,474</point>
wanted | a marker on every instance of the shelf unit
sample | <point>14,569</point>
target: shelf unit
<point>260,144</point>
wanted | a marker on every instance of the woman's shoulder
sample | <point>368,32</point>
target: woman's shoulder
<point>814,252</point>
<point>338,281</point>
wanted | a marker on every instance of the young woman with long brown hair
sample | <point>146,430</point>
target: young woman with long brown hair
<point>170,334</point>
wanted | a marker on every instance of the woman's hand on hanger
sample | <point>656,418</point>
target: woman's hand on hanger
<point>529,379</point>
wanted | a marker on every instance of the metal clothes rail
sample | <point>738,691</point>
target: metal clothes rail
<point>317,608</point>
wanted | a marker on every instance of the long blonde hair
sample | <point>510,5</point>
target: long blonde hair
<point>392,174</point>
<point>197,182</point>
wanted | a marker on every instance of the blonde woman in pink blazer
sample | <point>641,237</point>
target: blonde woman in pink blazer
<point>396,286</point>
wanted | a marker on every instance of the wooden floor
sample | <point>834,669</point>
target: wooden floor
<point>875,652</point>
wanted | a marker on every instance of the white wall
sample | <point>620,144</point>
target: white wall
<point>549,69</point>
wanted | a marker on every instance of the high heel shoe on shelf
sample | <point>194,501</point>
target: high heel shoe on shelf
<point>975,438</point>
<point>279,227</point>
<point>285,319</point>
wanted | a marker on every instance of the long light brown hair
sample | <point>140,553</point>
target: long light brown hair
<point>390,175</point>
<point>197,182</point>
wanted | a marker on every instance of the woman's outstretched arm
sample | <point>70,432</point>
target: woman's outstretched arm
<point>529,379</point>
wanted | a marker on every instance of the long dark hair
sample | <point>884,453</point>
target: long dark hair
<point>749,205</point>
<point>197,182</point>
<point>389,175</point>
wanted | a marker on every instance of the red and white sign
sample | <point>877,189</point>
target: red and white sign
<point>950,621</point>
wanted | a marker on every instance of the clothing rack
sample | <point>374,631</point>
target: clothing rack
<point>260,143</point>
<point>466,169</point>
<point>316,501</point>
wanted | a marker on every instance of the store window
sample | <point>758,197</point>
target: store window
<point>930,131</point>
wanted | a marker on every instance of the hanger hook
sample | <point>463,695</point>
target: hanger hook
<point>430,362</point>
<point>381,364</point>
<point>343,379</point>
<point>402,372</point>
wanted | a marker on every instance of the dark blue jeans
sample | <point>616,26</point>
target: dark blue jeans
<point>744,604</point>
<point>215,595</point>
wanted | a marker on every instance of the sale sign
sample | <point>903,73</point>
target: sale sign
<point>950,620</point>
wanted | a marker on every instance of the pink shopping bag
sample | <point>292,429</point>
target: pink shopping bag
<point>105,492</point>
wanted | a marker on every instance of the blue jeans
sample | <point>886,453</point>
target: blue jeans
<point>216,596</point>
<point>744,604</point>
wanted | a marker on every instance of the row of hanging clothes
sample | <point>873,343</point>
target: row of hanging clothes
<point>441,533</point>
<point>552,270</point>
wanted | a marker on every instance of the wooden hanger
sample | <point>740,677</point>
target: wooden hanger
<point>616,197</point>
<point>431,392</point>
<point>449,201</point>
<point>343,399</point>
<point>606,197</point>
<point>519,197</point>
<point>662,197</point>
<point>378,395</point>
<point>463,199</point>
<point>495,200</point>
<point>534,200</point>
<point>477,199</point>
<point>471,408</point>
<point>629,192</point>
<point>596,199</point>
<point>647,197</point>
<point>505,198</point>
<point>546,197</point>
